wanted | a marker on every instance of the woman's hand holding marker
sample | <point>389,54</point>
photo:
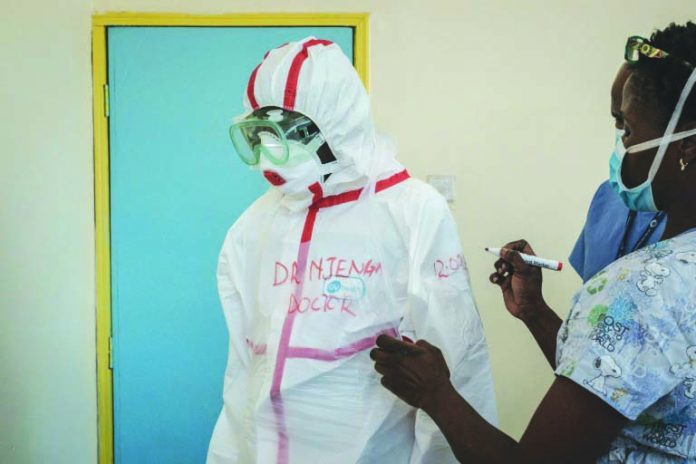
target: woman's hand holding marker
<point>531,259</point>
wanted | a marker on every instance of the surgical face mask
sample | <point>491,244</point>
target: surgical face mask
<point>641,197</point>
<point>614,160</point>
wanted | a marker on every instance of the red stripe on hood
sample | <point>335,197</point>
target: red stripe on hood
<point>250,87</point>
<point>294,74</point>
<point>252,81</point>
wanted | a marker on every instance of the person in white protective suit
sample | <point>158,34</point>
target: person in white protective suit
<point>344,247</point>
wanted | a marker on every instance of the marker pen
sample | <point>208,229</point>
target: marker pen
<point>533,260</point>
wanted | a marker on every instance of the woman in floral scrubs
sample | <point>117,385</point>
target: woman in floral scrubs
<point>625,358</point>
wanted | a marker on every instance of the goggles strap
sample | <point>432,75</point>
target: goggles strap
<point>324,168</point>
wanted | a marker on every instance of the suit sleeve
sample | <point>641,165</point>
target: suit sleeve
<point>225,442</point>
<point>441,310</point>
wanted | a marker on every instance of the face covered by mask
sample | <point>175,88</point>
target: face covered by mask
<point>284,146</point>
<point>302,169</point>
<point>641,197</point>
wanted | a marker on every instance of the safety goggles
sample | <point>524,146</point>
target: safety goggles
<point>637,46</point>
<point>268,132</point>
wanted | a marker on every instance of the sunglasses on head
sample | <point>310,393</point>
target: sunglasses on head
<point>637,46</point>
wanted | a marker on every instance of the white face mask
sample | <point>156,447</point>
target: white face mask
<point>302,170</point>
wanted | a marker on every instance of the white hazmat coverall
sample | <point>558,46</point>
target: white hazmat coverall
<point>308,283</point>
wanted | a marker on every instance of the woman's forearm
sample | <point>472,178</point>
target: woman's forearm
<point>544,325</point>
<point>472,438</point>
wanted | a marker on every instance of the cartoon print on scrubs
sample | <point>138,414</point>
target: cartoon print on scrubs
<point>607,368</point>
<point>687,371</point>
<point>687,257</point>
<point>630,339</point>
<point>653,273</point>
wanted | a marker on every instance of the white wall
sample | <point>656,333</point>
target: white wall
<point>47,337</point>
<point>511,97</point>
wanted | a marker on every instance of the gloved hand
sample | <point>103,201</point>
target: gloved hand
<point>519,281</point>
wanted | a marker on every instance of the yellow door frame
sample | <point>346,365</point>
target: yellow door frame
<point>100,23</point>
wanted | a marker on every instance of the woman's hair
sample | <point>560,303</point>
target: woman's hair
<point>661,80</point>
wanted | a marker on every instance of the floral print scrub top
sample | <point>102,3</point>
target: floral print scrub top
<point>630,339</point>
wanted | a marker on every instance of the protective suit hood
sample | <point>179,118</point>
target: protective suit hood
<point>314,77</point>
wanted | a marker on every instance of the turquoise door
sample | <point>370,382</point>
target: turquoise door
<point>176,187</point>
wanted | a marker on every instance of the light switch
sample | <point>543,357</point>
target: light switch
<point>444,185</point>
